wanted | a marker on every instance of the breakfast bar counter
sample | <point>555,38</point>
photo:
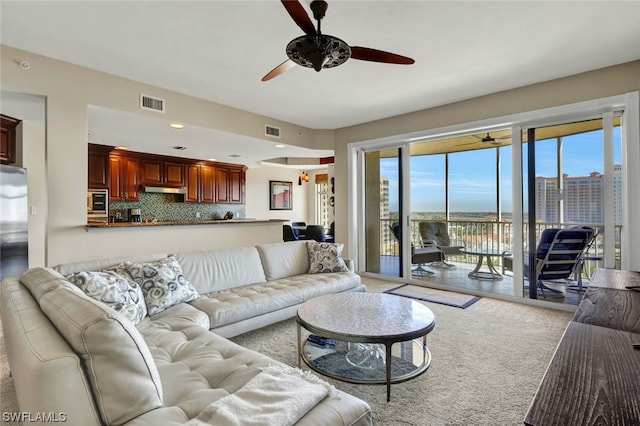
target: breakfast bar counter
<point>155,223</point>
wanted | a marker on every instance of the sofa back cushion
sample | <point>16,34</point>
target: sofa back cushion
<point>216,270</point>
<point>42,280</point>
<point>108,263</point>
<point>282,260</point>
<point>122,373</point>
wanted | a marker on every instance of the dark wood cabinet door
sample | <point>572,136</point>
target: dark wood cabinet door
<point>151,171</point>
<point>173,173</point>
<point>192,178</point>
<point>115,178</point>
<point>8,139</point>
<point>98,167</point>
<point>222,185</point>
<point>236,186</point>
<point>132,179</point>
<point>124,178</point>
<point>207,185</point>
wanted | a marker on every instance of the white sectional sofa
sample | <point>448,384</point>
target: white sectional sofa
<point>73,354</point>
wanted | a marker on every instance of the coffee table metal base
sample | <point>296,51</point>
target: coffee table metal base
<point>366,338</point>
<point>376,363</point>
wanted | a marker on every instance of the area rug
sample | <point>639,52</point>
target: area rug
<point>448,298</point>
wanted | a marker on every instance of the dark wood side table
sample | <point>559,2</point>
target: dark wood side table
<point>594,376</point>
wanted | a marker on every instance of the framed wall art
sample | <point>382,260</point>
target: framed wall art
<point>280,195</point>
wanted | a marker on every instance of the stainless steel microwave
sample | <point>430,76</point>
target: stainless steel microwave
<point>97,204</point>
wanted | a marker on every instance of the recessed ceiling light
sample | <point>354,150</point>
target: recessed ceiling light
<point>235,155</point>
<point>211,159</point>
<point>279,146</point>
<point>124,148</point>
<point>176,126</point>
<point>181,148</point>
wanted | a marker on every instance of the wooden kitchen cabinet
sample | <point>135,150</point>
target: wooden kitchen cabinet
<point>200,182</point>
<point>151,171</point>
<point>222,185</point>
<point>229,185</point>
<point>123,172</point>
<point>173,173</point>
<point>236,186</point>
<point>124,178</point>
<point>8,139</point>
<point>98,166</point>
<point>157,171</point>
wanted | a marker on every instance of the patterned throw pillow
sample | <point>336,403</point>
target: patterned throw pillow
<point>163,284</point>
<point>113,290</point>
<point>325,257</point>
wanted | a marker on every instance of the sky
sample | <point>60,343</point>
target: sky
<point>472,174</point>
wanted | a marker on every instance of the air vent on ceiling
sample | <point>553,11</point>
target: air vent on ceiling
<point>272,131</point>
<point>151,104</point>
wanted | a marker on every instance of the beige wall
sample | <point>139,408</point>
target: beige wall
<point>258,194</point>
<point>616,80</point>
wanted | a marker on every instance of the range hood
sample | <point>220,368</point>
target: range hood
<point>164,189</point>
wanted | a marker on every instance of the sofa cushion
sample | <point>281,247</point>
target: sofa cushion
<point>282,260</point>
<point>325,257</point>
<point>113,290</point>
<point>122,373</point>
<point>163,284</point>
<point>216,270</point>
<point>237,304</point>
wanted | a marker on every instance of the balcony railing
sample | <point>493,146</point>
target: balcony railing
<point>485,235</point>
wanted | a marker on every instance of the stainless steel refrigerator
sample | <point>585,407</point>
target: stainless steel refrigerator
<point>14,248</point>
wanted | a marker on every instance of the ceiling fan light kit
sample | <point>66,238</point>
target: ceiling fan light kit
<point>316,50</point>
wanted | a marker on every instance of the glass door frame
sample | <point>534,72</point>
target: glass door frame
<point>604,108</point>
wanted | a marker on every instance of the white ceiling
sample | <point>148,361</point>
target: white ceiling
<point>219,50</point>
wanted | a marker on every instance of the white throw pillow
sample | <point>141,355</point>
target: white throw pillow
<point>325,257</point>
<point>114,290</point>
<point>163,284</point>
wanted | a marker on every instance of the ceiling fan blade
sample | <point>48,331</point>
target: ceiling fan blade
<point>367,54</point>
<point>300,16</point>
<point>280,69</point>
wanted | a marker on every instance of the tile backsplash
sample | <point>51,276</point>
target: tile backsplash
<point>172,207</point>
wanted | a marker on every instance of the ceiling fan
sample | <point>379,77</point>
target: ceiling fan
<point>493,141</point>
<point>316,50</point>
<point>490,140</point>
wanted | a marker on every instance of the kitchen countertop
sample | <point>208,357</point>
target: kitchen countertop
<point>89,226</point>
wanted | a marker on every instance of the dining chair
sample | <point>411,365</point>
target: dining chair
<point>315,232</point>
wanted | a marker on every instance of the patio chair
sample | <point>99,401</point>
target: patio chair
<point>437,234</point>
<point>559,257</point>
<point>420,256</point>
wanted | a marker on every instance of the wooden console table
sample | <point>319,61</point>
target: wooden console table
<point>594,375</point>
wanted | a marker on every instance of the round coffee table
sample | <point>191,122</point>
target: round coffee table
<point>365,338</point>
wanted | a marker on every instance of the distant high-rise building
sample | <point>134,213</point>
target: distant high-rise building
<point>582,198</point>
<point>384,207</point>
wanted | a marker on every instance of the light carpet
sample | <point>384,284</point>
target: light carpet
<point>449,298</point>
<point>487,363</point>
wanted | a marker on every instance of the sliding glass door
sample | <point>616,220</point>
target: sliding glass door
<point>382,212</point>
<point>495,187</point>
<point>573,173</point>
